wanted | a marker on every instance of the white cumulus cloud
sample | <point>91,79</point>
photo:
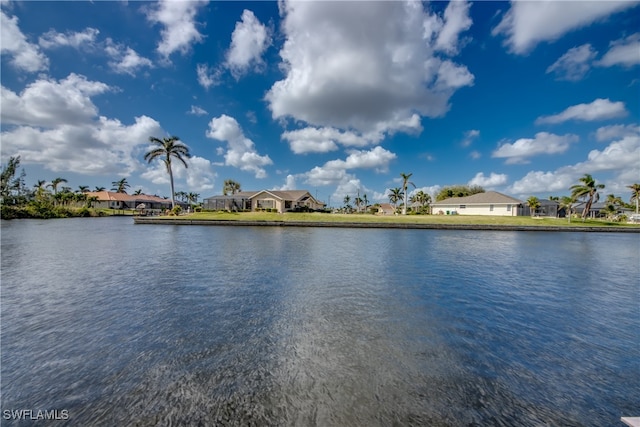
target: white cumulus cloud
<point>528,23</point>
<point>125,60</point>
<point>542,143</point>
<point>625,52</point>
<point>322,140</point>
<point>54,39</point>
<point>241,152</point>
<point>600,109</point>
<point>493,180</point>
<point>249,40</point>
<point>367,66</point>
<point>179,27</point>
<point>24,55</point>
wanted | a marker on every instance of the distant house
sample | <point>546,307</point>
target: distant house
<point>280,201</point>
<point>386,209</point>
<point>111,200</point>
<point>597,209</point>
<point>488,203</point>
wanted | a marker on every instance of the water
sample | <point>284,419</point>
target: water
<point>147,325</point>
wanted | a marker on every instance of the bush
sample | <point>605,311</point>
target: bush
<point>197,209</point>
<point>176,210</point>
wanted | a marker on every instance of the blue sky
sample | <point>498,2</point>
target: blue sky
<point>333,97</point>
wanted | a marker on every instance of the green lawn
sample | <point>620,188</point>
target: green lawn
<point>419,219</point>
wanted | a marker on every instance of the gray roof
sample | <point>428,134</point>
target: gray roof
<point>489,197</point>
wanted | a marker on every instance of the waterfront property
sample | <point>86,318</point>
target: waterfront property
<point>488,203</point>
<point>546,209</point>
<point>274,200</point>
<point>142,202</point>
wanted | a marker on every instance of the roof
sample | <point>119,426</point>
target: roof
<point>489,197</point>
<point>295,195</point>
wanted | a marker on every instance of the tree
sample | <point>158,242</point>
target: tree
<point>395,195</point>
<point>365,201</point>
<point>422,198</point>
<point>97,189</point>
<point>166,149</point>
<point>635,194</point>
<point>346,200</point>
<point>193,198</point>
<point>120,186</point>
<point>458,191</point>
<point>588,189</point>
<point>137,192</point>
<point>534,203</point>
<point>83,189</point>
<point>9,184</point>
<point>566,203</point>
<point>405,182</point>
<point>231,187</point>
<point>358,201</point>
<point>54,184</point>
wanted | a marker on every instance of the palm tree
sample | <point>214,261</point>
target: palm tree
<point>83,189</point>
<point>120,186</point>
<point>395,195</point>
<point>534,203</point>
<point>405,182</point>
<point>193,197</point>
<point>166,148</point>
<point>365,201</point>
<point>358,202</point>
<point>423,198</point>
<point>137,192</point>
<point>97,189</point>
<point>635,194</point>
<point>587,190</point>
<point>54,184</point>
<point>231,187</point>
<point>347,206</point>
<point>567,203</point>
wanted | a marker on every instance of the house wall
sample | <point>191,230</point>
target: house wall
<point>498,209</point>
<point>265,201</point>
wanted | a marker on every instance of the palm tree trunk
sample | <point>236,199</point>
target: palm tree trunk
<point>587,208</point>
<point>173,196</point>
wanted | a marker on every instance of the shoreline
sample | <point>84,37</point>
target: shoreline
<point>408,225</point>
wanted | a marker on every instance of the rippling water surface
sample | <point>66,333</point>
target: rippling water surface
<point>167,325</point>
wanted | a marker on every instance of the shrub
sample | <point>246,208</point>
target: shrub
<point>176,210</point>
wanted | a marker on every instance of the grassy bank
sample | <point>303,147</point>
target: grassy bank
<point>397,219</point>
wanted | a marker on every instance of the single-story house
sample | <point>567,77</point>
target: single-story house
<point>597,209</point>
<point>488,203</point>
<point>111,200</point>
<point>386,209</point>
<point>281,201</point>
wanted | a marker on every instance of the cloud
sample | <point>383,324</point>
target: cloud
<point>105,146</point>
<point>623,52</point>
<point>249,40</point>
<point>197,111</point>
<point>322,140</point>
<point>619,158</point>
<point>528,23</point>
<point>609,133</point>
<point>475,155</point>
<point>600,109</point>
<point>469,137</point>
<point>178,20</point>
<point>125,60</point>
<point>49,103</point>
<point>53,39</point>
<point>208,76</point>
<point>241,152</point>
<point>367,67</point>
<point>199,175</point>
<point>543,143</point>
<point>24,55</point>
<point>493,180</point>
<point>574,64</point>
<point>290,184</point>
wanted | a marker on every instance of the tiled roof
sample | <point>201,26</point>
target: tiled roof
<point>489,197</point>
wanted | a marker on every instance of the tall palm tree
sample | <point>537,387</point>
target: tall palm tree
<point>395,195</point>
<point>231,187</point>
<point>534,203</point>
<point>193,197</point>
<point>587,190</point>
<point>137,192</point>
<point>346,200</point>
<point>405,183</point>
<point>165,149</point>
<point>365,201</point>
<point>635,194</point>
<point>54,184</point>
<point>120,186</point>
<point>83,189</point>
<point>98,189</point>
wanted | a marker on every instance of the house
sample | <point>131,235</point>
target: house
<point>488,203</point>
<point>111,200</point>
<point>386,209</point>
<point>274,200</point>
<point>597,210</point>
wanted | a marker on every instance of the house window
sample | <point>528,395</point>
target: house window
<point>491,208</point>
<point>463,206</point>
<point>508,208</point>
<point>265,203</point>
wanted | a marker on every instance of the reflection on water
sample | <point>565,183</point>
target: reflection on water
<point>163,325</point>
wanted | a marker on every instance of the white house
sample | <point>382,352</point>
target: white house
<point>279,201</point>
<point>488,203</point>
